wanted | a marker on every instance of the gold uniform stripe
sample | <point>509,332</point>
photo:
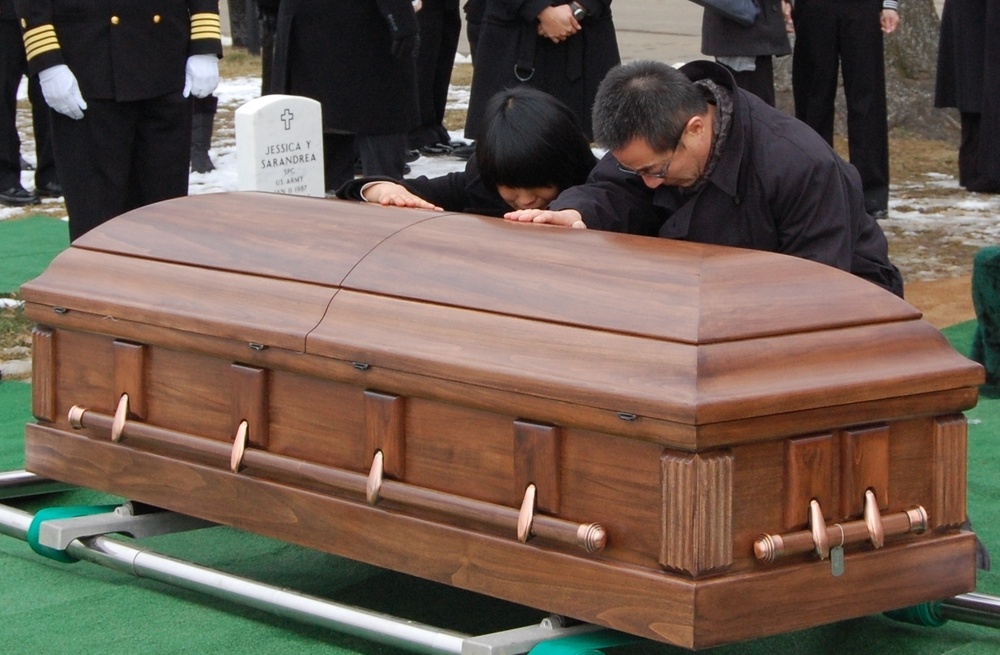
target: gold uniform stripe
<point>205,26</point>
<point>40,40</point>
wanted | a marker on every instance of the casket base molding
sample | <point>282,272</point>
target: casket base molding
<point>639,601</point>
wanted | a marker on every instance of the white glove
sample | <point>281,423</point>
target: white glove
<point>201,75</point>
<point>61,91</point>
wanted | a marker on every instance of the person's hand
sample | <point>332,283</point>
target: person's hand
<point>201,75</point>
<point>561,217</point>
<point>390,194</point>
<point>786,11</point>
<point>406,47</point>
<point>889,18</point>
<point>557,23</point>
<point>61,91</point>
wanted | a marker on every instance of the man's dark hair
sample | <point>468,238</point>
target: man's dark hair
<point>531,139</point>
<point>648,100</point>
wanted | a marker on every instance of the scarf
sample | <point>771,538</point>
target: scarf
<point>723,101</point>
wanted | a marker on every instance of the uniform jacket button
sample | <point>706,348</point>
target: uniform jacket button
<point>156,18</point>
<point>114,20</point>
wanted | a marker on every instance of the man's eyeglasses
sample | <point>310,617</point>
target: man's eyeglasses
<point>659,175</point>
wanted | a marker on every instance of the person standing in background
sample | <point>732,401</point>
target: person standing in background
<point>13,66</point>
<point>440,23</point>
<point>474,10</point>
<point>117,79</point>
<point>357,58</point>
<point>968,75</point>
<point>562,47</point>
<point>748,51</point>
<point>847,34</point>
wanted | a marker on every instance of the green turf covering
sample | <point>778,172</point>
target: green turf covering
<point>29,244</point>
<point>15,411</point>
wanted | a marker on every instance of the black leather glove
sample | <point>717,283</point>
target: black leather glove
<point>406,46</point>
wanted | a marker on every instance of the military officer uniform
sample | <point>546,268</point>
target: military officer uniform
<point>12,69</point>
<point>131,146</point>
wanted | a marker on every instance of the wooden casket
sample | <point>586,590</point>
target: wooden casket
<point>689,443</point>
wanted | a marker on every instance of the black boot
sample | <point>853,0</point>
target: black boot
<point>201,134</point>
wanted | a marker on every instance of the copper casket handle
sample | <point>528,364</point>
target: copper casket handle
<point>238,457</point>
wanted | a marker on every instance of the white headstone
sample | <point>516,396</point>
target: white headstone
<point>279,146</point>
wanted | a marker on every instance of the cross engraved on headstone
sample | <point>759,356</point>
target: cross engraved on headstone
<point>286,118</point>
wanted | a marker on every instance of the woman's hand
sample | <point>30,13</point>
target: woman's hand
<point>557,23</point>
<point>390,194</point>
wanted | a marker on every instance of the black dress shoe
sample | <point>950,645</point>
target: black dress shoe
<point>49,190</point>
<point>464,151</point>
<point>412,155</point>
<point>17,196</point>
<point>436,150</point>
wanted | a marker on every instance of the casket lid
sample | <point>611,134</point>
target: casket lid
<point>674,330</point>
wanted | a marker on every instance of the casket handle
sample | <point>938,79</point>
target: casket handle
<point>374,483</point>
<point>239,446</point>
<point>121,414</point>
<point>873,520</point>
<point>527,515</point>
<point>767,548</point>
<point>373,487</point>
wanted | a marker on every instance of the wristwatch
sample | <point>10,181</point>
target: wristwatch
<point>579,11</point>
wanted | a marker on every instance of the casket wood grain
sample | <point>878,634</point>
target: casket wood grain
<point>392,385</point>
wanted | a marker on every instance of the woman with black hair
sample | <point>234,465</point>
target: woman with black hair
<point>530,149</point>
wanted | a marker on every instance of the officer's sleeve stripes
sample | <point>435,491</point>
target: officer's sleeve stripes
<point>205,26</point>
<point>42,39</point>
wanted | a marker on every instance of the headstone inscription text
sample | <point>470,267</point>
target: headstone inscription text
<point>279,146</point>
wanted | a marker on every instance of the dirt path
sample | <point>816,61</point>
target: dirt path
<point>943,302</point>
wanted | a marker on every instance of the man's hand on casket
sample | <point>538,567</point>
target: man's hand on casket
<point>562,217</point>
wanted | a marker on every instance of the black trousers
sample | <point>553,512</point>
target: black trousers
<point>381,155</point>
<point>974,156</point>
<point>440,27</point>
<point>12,68</point>
<point>845,34</point>
<point>121,156</point>
<point>759,81</point>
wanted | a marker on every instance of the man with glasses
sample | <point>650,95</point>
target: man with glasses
<point>693,157</point>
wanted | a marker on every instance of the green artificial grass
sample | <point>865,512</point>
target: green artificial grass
<point>15,411</point>
<point>29,244</point>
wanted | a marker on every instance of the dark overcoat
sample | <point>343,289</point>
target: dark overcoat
<point>512,53</point>
<point>339,52</point>
<point>722,37</point>
<point>968,71</point>
<point>777,187</point>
